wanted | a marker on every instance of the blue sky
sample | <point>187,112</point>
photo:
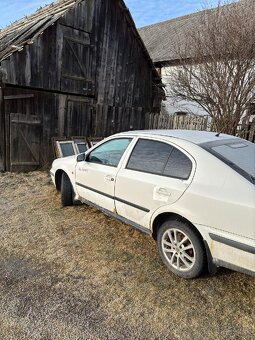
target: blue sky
<point>144,12</point>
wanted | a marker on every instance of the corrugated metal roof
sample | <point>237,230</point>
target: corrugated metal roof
<point>24,31</point>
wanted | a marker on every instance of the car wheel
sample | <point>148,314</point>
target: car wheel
<point>181,249</point>
<point>66,191</point>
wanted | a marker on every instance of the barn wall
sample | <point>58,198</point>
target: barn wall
<point>85,75</point>
<point>34,117</point>
<point>36,65</point>
<point>122,77</point>
<point>123,73</point>
<point>125,77</point>
<point>91,51</point>
<point>2,132</point>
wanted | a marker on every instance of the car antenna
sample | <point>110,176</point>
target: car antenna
<point>218,134</point>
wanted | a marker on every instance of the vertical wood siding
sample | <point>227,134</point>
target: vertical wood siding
<point>2,131</point>
<point>88,74</point>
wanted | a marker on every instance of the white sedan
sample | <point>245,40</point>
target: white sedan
<point>192,191</point>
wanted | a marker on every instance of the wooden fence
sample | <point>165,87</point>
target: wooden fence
<point>247,131</point>
<point>188,122</point>
<point>192,122</point>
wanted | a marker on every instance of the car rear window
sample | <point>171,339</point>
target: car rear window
<point>239,154</point>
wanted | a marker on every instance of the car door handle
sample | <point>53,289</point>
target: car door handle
<point>109,178</point>
<point>163,191</point>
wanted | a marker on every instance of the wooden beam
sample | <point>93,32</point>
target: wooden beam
<point>24,163</point>
<point>19,96</point>
<point>28,122</point>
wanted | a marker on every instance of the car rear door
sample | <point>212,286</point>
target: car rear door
<point>156,174</point>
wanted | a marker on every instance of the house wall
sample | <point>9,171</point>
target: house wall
<point>170,105</point>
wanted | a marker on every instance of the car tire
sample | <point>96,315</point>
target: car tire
<point>67,193</point>
<point>181,249</point>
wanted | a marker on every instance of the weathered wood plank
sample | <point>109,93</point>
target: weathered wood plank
<point>2,131</point>
<point>28,122</point>
<point>19,96</point>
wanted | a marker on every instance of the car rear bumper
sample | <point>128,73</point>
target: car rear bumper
<point>230,251</point>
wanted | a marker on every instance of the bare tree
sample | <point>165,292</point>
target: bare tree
<point>216,67</point>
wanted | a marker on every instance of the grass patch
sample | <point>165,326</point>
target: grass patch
<point>74,273</point>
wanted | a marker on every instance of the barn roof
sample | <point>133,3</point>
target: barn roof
<point>13,38</point>
<point>164,39</point>
<point>25,30</point>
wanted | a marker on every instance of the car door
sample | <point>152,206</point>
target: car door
<point>95,177</point>
<point>156,174</point>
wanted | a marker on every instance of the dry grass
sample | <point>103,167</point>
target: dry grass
<point>73,273</point>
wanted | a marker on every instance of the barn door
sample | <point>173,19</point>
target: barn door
<point>77,71</point>
<point>22,130</point>
<point>25,137</point>
<point>79,117</point>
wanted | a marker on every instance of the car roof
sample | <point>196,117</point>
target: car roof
<point>193,136</point>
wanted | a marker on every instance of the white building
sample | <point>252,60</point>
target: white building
<point>163,41</point>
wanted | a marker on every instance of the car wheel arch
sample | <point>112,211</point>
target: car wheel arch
<point>163,217</point>
<point>58,178</point>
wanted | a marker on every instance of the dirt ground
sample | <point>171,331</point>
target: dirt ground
<point>73,273</point>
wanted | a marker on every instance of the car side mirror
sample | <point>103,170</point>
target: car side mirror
<point>81,157</point>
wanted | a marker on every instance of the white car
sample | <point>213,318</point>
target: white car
<point>192,191</point>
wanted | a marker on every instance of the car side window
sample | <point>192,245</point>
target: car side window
<point>159,158</point>
<point>178,165</point>
<point>110,152</point>
<point>149,156</point>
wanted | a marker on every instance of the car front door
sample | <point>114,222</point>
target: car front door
<point>96,176</point>
<point>156,174</point>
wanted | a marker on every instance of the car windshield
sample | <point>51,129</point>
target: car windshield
<point>239,154</point>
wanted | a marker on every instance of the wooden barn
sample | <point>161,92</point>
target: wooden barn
<point>73,68</point>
